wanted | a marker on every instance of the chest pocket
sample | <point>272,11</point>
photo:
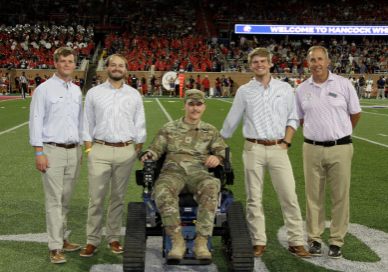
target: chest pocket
<point>57,106</point>
<point>279,104</point>
<point>76,105</point>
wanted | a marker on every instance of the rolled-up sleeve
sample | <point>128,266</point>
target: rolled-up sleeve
<point>80,122</point>
<point>88,118</point>
<point>140,123</point>
<point>292,115</point>
<point>234,116</point>
<point>218,145</point>
<point>37,113</point>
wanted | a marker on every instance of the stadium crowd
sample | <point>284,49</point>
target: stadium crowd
<point>299,12</point>
<point>366,57</point>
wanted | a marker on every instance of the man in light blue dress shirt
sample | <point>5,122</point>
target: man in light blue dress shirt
<point>56,134</point>
<point>270,119</point>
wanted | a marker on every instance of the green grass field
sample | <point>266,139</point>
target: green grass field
<point>22,198</point>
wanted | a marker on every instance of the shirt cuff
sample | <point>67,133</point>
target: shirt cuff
<point>223,134</point>
<point>36,142</point>
<point>86,137</point>
<point>141,140</point>
<point>293,123</point>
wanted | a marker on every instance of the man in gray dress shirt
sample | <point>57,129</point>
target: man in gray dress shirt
<point>114,121</point>
<point>270,119</point>
<point>55,133</point>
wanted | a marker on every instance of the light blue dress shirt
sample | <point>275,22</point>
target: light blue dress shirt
<point>56,113</point>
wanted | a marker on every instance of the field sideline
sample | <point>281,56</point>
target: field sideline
<point>22,197</point>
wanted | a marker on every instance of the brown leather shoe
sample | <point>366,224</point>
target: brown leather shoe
<point>116,247</point>
<point>300,251</point>
<point>88,251</point>
<point>67,246</point>
<point>57,257</point>
<point>258,250</point>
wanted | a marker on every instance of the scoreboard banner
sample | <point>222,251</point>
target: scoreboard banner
<point>310,29</point>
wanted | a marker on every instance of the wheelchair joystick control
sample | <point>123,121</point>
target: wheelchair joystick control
<point>148,173</point>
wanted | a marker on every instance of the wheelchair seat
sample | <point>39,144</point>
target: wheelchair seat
<point>187,200</point>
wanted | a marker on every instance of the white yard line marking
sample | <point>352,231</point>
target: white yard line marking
<point>8,130</point>
<point>164,110</point>
<point>373,142</point>
<point>225,101</point>
<point>374,113</point>
<point>10,99</point>
<point>382,135</point>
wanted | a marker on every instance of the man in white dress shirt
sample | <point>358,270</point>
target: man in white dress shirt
<point>114,121</point>
<point>56,135</point>
<point>270,119</point>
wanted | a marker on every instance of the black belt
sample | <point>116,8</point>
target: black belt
<point>342,141</point>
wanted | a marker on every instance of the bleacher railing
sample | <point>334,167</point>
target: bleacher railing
<point>95,56</point>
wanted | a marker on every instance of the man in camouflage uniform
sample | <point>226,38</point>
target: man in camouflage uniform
<point>188,142</point>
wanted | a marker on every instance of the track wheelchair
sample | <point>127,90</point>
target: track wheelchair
<point>143,220</point>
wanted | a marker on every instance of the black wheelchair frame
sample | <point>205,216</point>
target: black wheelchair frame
<point>143,220</point>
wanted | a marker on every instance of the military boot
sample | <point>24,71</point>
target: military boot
<point>178,250</point>
<point>200,248</point>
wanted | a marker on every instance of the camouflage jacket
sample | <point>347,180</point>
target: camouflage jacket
<point>187,145</point>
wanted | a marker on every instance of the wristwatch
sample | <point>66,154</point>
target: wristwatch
<point>287,143</point>
<point>138,151</point>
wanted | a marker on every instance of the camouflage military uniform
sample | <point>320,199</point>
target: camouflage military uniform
<point>187,147</point>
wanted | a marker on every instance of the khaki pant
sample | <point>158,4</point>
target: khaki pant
<point>257,158</point>
<point>334,163</point>
<point>59,181</point>
<point>226,90</point>
<point>106,165</point>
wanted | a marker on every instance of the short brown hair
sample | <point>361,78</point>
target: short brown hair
<point>262,52</point>
<point>318,47</point>
<point>116,55</point>
<point>64,51</point>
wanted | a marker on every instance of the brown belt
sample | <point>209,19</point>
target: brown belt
<point>272,142</point>
<point>113,144</point>
<point>67,146</point>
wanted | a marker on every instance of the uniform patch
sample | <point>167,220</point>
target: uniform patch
<point>188,140</point>
<point>308,96</point>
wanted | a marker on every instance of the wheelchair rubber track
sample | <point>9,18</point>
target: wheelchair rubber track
<point>135,238</point>
<point>238,244</point>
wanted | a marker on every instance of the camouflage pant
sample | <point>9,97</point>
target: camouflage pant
<point>205,189</point>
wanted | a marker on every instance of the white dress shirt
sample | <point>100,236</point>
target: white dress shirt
<point>267,112</point>
<point>114,115</point>
<point>56,113</point>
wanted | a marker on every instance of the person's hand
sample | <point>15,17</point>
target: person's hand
<point>142,160</point>
<point>212,161</point>
<point>283,145</point>
<point>41,163</point>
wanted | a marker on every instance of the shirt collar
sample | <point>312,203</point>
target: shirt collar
<point>56,78</point>
<point>185,125</point>
<point>271,81</point>
<point>109,85</point>
<point>329,78</point>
